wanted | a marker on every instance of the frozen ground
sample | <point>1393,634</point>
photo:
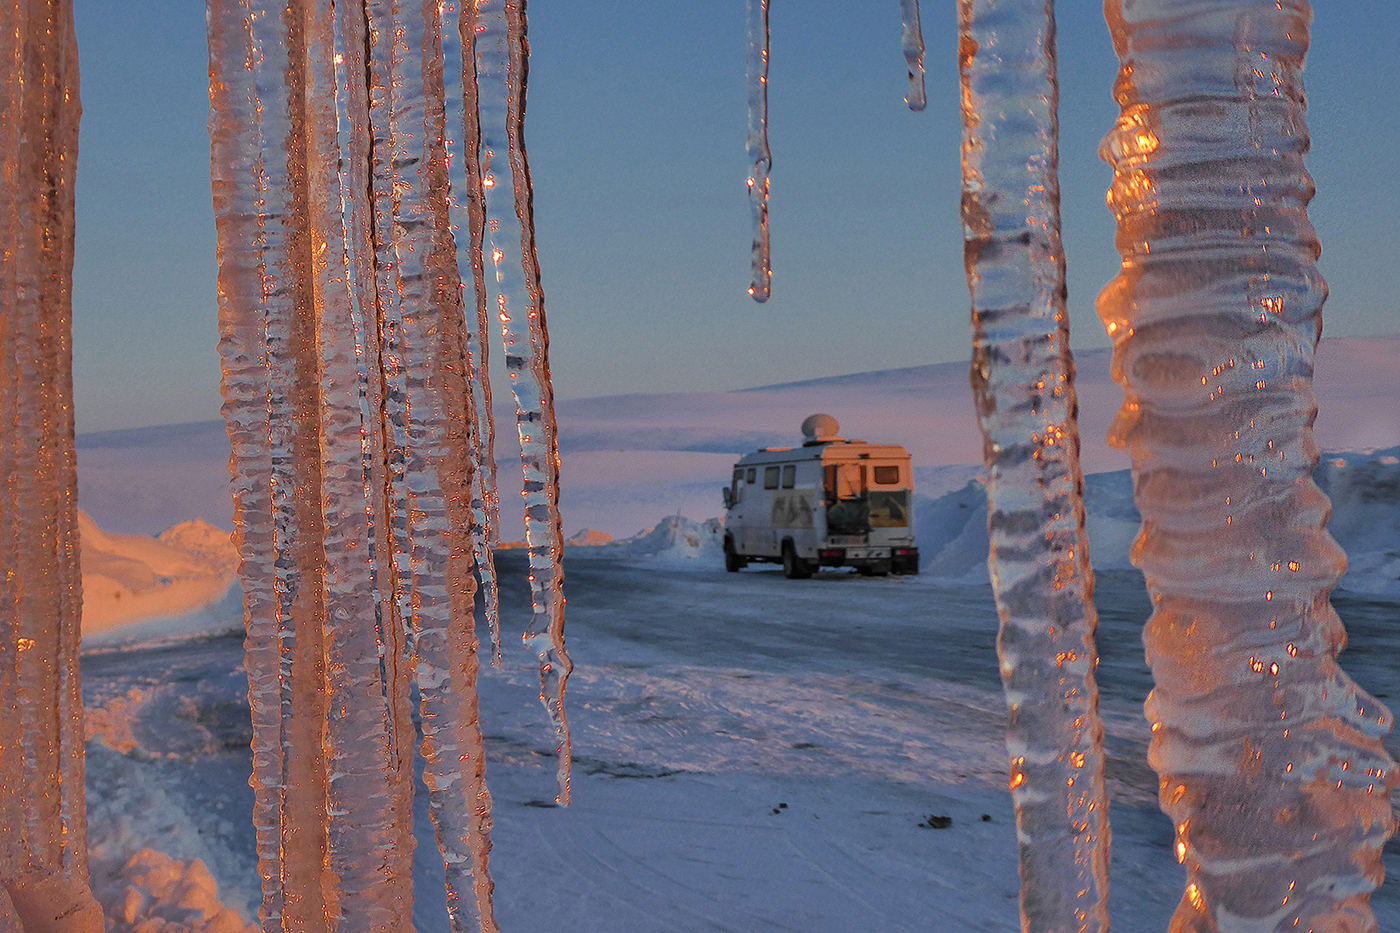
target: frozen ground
<point>752,753</point>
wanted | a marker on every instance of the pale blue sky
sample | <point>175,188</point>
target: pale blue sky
<point>636,138</point>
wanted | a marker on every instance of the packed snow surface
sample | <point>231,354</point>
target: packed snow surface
<point>751,753</point>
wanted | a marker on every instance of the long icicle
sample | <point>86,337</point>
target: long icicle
<point>469,222</point>
<point>1270,757</point>
<point>43,832</point>
<point>759,154</point>
<point>913,43</point>
<point>369,747</point>
<point>502,63</point>
<point>239,154</point>
<point>1022,376</point>
<point>426,393</point>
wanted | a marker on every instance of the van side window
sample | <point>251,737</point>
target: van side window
<point>789,476</point>
<point>770,477</point>
<point>753,474</point>
<point>886,475</point>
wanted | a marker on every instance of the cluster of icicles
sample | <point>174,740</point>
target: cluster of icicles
<point>1269,756</point>
<point>365,159</point>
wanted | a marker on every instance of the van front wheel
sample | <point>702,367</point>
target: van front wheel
<point>732,561</point>
<point>794,567</point>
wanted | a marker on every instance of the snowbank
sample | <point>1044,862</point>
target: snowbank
<point>587,537</point>
<point>136,587</point>
<point>1364,489</point>
<point>150,892</point>
<point>675,540</point>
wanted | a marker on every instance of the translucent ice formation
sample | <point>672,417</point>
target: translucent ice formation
<point>501,62</point>
<point>913,43</point>
<point>346,393</point>
<point>1022,376</point>
<point>469,229</point>
<point>758,152</point>
<point>1270,758</point>
<point>43,825</point>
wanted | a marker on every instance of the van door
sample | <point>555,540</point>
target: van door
<point>847,500</point>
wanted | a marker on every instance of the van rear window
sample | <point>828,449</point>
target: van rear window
<point>886,475</point>
<point>789,477</point>
<point>770,477</point>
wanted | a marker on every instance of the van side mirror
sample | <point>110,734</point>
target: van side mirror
<point>728,495</point>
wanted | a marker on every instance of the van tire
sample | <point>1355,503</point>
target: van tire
<point>732,561</point>
<point>794,567</point>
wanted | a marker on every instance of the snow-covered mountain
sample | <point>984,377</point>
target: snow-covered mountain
<point>673,539</point>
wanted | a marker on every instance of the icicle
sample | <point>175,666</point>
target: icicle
<point>913,41</point>
<point>345,387</point>
<point>469,229</point>
<point>43,830</point>
<point>253,202</point>
<point>369,747</point>
<point>239,186</point>
<point>502,59</point>
<point>1022,377</point>
<point>39,612</point>
<point>426,392</point>
<point>1270,756</point>
<point>759,154</point>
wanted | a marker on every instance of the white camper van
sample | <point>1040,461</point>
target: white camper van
<point>829,503</point>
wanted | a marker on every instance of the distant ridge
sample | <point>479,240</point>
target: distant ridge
<point>628,458</point>
<point>902,375</point>
<point>159,435</point>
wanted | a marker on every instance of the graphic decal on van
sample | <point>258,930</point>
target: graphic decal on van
<point>792,508</point>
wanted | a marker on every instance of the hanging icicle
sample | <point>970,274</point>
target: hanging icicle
<point>43,823</point>
<point>1270,756</point>
<point>345,381</point>
<point>502,60</point>
<point>1022,378</point>
<point>913,42</point>
<point>759,154</point>
<point>469,230</point>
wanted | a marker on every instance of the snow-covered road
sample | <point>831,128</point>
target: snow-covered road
<point>752,753</point>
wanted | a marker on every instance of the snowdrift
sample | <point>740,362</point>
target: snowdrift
<point>1364,489</point>
<point>674,540</point>
<point>139,588</point>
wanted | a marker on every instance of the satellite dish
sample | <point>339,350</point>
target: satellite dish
<point>820,429</point>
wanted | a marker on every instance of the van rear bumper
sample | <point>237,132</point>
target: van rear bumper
<point>886,559</point>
